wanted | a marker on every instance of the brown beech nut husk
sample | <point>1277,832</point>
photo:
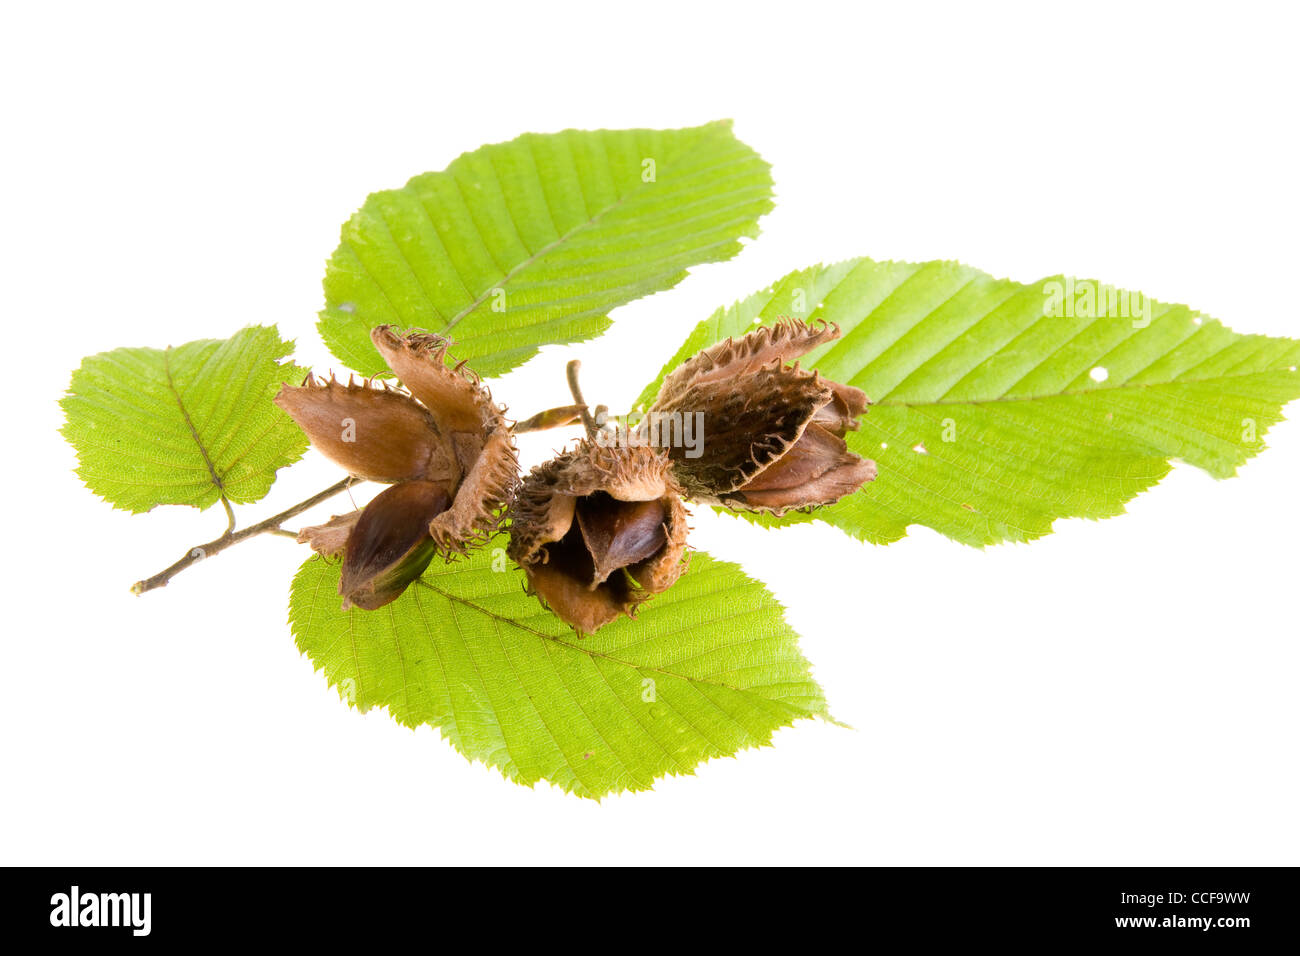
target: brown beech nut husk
<point>599,531</point>
<point>443,444</point>
<point>769,435</point>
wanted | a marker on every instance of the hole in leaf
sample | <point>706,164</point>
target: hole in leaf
<point>1099,374</point>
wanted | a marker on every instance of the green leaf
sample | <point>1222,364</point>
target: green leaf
<point>532,242</point>
<point>706,669</point>
<point>988,423</point>
<point>187,425</point>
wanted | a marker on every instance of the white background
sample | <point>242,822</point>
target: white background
<point>1122,692</point>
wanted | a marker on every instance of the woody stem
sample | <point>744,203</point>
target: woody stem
<point>551,418</point>
<point>571,372</point>
<point>231,537</point>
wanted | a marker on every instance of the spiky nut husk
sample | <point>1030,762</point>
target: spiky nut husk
<point>479,433</point>
<point>371,430</point>
<point>773,432</point>
<point>599,531</point>
<point>446,447</point>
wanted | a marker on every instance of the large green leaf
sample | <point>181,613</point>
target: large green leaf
<point>187,425</point>
<point>706,669</point>
<point>534,241</point>
<point>1000,407</point>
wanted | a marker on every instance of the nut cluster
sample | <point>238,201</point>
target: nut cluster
<point>601,528</point>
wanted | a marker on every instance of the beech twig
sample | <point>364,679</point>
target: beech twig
<point>551,418</point>
<point>571,372</point>
<point>232,537</point>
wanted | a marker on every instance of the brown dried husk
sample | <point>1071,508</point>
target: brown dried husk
<point>444,428</point>
<point>544,515</point>
<point>757,407</point>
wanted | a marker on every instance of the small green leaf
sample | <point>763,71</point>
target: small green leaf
<point>187,425</point>
<point>531,242</point>
<point>706,669</point>
<point>1000,407</point>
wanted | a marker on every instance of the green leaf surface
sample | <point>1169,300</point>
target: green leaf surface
<point>1001,406</point>
<point>184,425</point>
<point>706,669</point>
<point>532,242</point>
